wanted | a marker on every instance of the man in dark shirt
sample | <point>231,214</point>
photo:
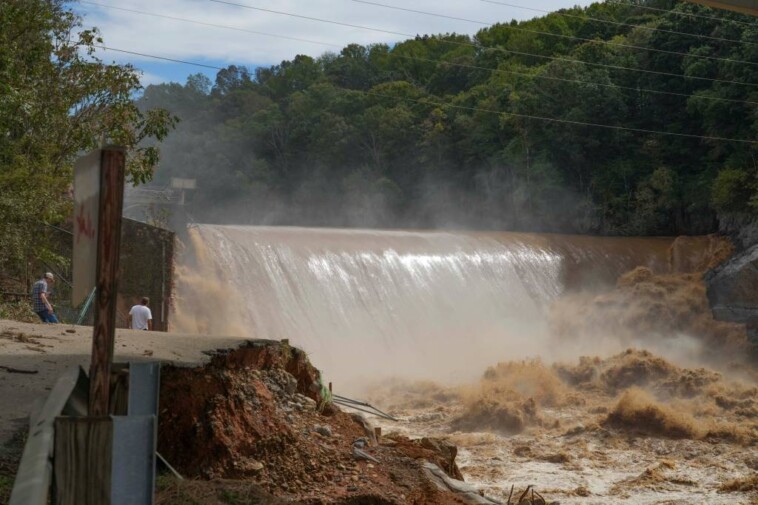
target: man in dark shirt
<point>41,298</point>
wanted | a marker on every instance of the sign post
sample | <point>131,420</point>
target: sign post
<point>99,201</point>
<point>112,171</point>
<point>105,459</point>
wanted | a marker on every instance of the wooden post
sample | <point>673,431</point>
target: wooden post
<point>112,166</point>
<point>83,463</point>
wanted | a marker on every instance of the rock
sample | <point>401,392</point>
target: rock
<point>448,452</point>
<point>465,492</point>
<point>249,465</point>
<point>732,290</point>
<point>368,429</point>
<point>307,403</point>
<point>741,228</point>
<point>362,455</point>
<point>323,430</point>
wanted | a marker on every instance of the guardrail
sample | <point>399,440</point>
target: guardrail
<point>93,461</point>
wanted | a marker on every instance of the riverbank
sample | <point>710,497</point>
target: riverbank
<point>246,420</point>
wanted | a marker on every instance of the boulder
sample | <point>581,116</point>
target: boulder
<point>732,290</point>
<point>741,228</point>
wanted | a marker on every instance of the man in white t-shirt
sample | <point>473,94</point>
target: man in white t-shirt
<point>140,317</point>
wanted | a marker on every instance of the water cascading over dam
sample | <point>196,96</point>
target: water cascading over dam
<point>424,304</point>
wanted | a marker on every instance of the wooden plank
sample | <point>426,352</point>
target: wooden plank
<point>82,462</point>
<point>108,248</point>
<point>119,395</point>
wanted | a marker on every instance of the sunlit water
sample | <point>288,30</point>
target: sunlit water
<point>420,304</point>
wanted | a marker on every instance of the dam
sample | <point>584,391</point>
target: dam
<point>366,303</point>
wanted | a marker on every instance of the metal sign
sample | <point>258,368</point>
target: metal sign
<point>86,204</point>
<point>181,183</point>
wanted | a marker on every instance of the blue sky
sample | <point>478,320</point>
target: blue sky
<point>216,46</point>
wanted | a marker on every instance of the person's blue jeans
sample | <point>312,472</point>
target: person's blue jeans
<point>47,317</point>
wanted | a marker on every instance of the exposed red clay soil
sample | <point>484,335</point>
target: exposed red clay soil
<point>256,414</point>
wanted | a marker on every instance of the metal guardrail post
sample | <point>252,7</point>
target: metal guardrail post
<point>135,438</point>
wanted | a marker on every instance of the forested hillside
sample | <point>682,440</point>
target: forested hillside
<point>434,131</point>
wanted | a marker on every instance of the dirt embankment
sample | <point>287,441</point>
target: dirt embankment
<point>258,415</point>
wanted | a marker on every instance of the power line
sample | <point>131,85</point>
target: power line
<point>499,49</point>
<point>558,35</point>
<point>439,62</point>
<point>566,121</point>
<point>158,57</point>
<point>203,23</point>
<point>679,13</point>
<point>479,109</point>
<point>310,18</point>
<point>617,23</point>
<point>615,67</point>
<point>576,81</point>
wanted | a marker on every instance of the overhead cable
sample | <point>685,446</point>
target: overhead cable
<point>439,62</point>
<point>566,121</point>
<point>480,109</point>
<point>576,81</point>
<point>680,13</point>
<point>158,57</point>
<point>616,23</point>
<point>496,48</point>
<point>203,23</point>
<point>551,34</point>
<point>310,18</point>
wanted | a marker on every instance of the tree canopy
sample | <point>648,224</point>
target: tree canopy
<point>57,100</point>
<point>435,130</point>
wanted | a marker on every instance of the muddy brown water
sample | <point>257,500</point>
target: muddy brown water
<point>365,302</point>
<point>371,305</point>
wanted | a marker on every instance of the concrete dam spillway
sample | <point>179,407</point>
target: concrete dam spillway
<point>366,303</point>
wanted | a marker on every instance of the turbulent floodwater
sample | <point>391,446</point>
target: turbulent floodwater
<point>380,310</point>
<point>632,428</point>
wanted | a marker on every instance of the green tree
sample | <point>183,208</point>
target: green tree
<point>58,99</point>
<point>733,189</point>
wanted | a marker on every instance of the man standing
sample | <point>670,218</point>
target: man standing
<point>140,317</point>
<point>41,298</point>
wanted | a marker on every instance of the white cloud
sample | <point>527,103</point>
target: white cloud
<point>185,41</point>
<point>148,78</point>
